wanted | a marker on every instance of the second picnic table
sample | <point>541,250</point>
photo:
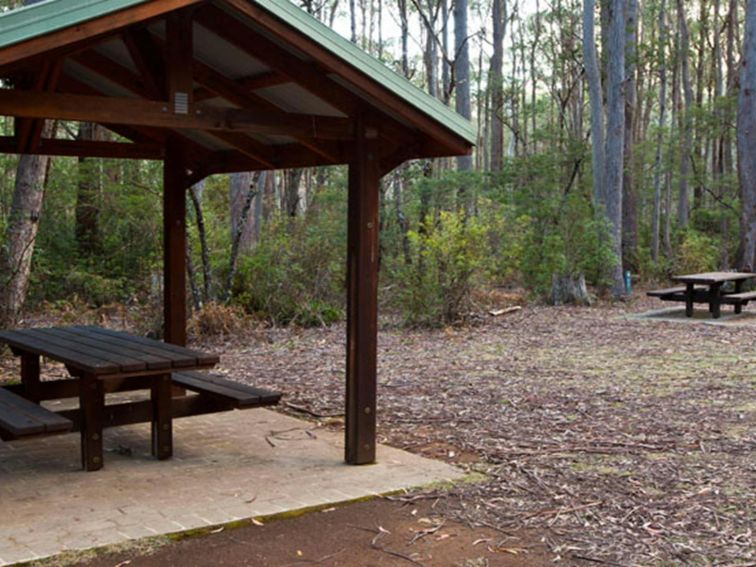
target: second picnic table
<point>707,287</point>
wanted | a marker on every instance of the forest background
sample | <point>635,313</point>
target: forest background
<point>613,137</point>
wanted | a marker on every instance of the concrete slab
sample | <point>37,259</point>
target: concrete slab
<point>227,467</point>
<point>700,315</point>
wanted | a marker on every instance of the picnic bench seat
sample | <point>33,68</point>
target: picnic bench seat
<point>672,291</point>
<point>216,386</point>
<point>20,417</point>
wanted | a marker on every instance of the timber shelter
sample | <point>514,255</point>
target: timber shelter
<point>222,86</point>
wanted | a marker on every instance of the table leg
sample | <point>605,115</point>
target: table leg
<point>715,300</point>
<point>162,419</point>
<point>689,290</point>
<point>91,407</point>
<point>738,289</point>
<point>30,377</point>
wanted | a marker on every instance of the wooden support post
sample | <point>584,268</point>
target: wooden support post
<point>362,299</point>
<point>30,377</point>
<point>174,244</point>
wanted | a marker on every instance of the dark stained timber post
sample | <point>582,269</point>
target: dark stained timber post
<point>174,244</point>
<point>30,377</point>
<point>91,404</point>
<point>689,292</point>
<point>362,299</point>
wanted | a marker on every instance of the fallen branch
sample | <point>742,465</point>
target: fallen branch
<point>497,312</point>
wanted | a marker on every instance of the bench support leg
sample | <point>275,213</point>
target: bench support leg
<point>162,424</point>
<point>91,404</point>
<point>689,291</point>
<point>362,300</point>
<point>30,377</point>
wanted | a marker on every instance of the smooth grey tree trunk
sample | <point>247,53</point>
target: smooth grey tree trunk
<point>656,215</point>
<point>615,131</point>
<point>629,195</point>
<point>21,234</point>
<point>593,76</point>
<point>746,134</point>
<point>496,84</point>
<point>687,138</point>
<point>462,72</point>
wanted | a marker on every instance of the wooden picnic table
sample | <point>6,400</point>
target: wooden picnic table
<point>100,361</point>
<point>707,287</point>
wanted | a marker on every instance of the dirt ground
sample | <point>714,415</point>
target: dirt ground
<point>378,533</point>
<point>609,441</point>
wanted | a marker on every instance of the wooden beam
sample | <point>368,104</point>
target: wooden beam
<point>362,301</point>
<point>179,49</point>
<point>174,244</point>
<point>139,134</point>
<point>79,148</point>
<point>114,110</point>
<point>64,40</point>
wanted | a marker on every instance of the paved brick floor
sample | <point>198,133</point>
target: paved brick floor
<point>226,467</point>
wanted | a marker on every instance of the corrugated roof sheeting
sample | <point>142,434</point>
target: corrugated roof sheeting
<point>293,98</point>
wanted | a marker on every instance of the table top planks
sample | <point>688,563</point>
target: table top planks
<point>709,278</point>
<point>104,352</point>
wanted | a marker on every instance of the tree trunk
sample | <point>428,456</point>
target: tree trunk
<point>593,76</point>
<point>629,196</point>
<point>660,135</point>
<point>195,193</point>
<point>615,135</point>
<point>496,85</point>
<point>746,131</point>
<point>87,195</point>
<point>687,117</point>
<point>462,72</point>
<point>21,233</point>
<point>239,186</point>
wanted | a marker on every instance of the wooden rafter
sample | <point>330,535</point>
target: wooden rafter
<point>142,51</point>
<point>246,84</point>
<point>112,71</point>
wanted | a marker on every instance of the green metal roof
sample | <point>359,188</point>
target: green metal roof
<point>51,15</point>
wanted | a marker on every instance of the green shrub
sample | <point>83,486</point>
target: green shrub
<point>296,272</point>
<point>450,257</point>
<point>695,253</point>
